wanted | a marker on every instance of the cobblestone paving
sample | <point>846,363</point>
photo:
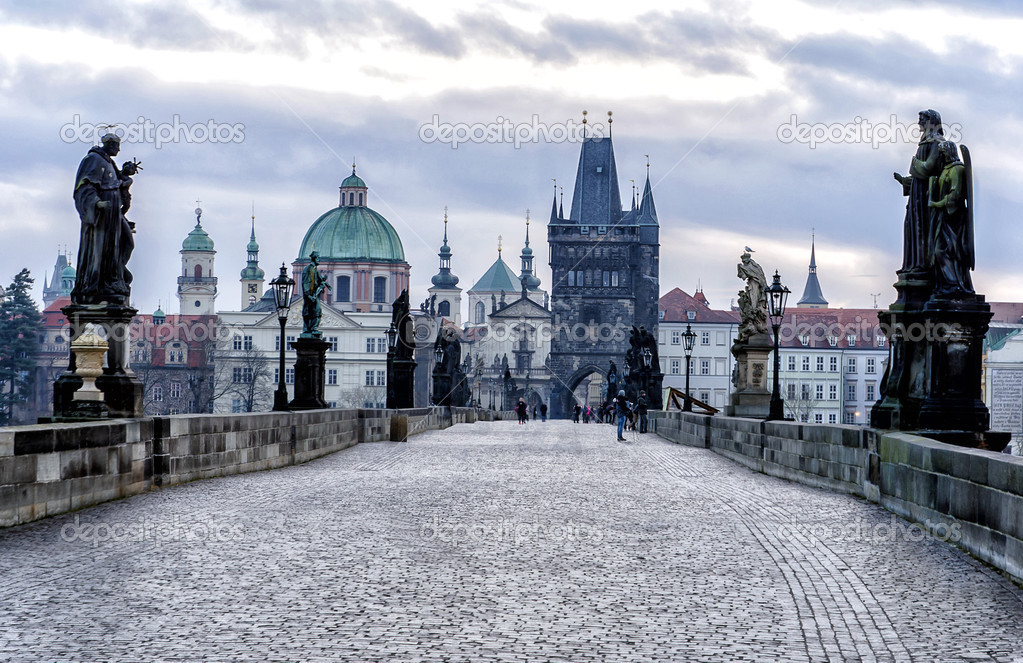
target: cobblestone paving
<point>498,542</point>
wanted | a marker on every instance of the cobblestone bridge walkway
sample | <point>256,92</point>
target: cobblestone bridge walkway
<point>498,542</point>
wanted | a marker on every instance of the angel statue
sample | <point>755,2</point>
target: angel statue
<point>753,305</point>
<point>950,203</point>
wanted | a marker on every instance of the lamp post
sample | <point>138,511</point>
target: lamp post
<point>479,383</point>
<point>688,341</point>
<point>392,344</point>
<point>493,386</point>
<point>777,295</point>
<point>438,371</point>
<point>282,286</point>
<point>526,390</point>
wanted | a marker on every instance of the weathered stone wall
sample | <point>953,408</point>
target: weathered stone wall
<point>970,497</point>
<point>54,468</point>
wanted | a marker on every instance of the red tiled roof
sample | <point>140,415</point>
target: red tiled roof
<point>820,323</point>
<point>677,303</point>
<point>1011,312</point>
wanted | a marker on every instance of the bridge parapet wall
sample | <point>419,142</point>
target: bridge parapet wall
<point>971,497</point>
<point>48,469</point>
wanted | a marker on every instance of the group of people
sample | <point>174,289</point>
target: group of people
<point>522,410</point>
<point>619,408</point>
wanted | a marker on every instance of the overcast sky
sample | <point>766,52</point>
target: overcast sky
<point>716,93</point>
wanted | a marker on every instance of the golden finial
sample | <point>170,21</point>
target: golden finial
<point>584,117</point>
<point>499,238</point>
<point>353,166</point>
<point>609,120</point>
<point>445,215</point>
<point>527,216</point>
<point>647,164</point>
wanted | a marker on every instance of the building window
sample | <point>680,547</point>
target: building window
<point>818,418</point>
<point>381,345</point>
<point>691,315</point>
<point>241,374</point>
<point>158,394</point>
<point>850,367</point>
<point>832,341</point>
<point>660,315</point>
<point>705,367</point>
<point>832,418</point>
<point>481,312</point>
<point>584,230</point>
<point>832,392</point>
<point>381,378</point>
<point>444,309</point>
<point>247,343</point>
<point>705,396</point>
<point>870,388</point>
<point>606,279</point>
<point>571,278</point>
<point>790,391</point>
<point>175,390</point>
<point>580,278</point>
<point>850,391</point>
<point>236,405</point>
<point>806,363</point>
<point>277,376</point>
<point>289,376</point>
<point>676,366</point>
<point>880,340</point>
<point>333,343</point>
<point>804,417</point>
<point>380,290</point>
<point>850,417</point>
<point>851,339</point>
<point>705,338</point>
<point>236,343</point>
<point>819,391</point>
<point>344,289</point>
<point>369,378</point>
<point>820,364</point>
<point>614,279</point>
<point>804,392</point>
<point>277,343</point>
<point>805,339</point>
<point>871,364</point>
<point>676,337</point>
<point>331,376</point>
<point>360,202</point>
<point>288,340</point>
<point>833,364</point>
<point>792,363</point>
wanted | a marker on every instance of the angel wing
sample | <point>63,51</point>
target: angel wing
<point>968,166</point>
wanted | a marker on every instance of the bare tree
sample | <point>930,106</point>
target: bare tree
<point>802,407</point>
<point>245,376</point>
<point>357,397</point>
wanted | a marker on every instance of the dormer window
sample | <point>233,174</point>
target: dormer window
<point>832,341</point>
<point>691,315</point>
<point>805,339</point>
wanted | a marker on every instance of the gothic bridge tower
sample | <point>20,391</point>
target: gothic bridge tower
<point>605,269</point>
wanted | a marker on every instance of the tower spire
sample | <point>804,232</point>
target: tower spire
<point>812,295</point>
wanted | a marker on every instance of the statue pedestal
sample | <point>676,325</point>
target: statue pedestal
<point>310,373</point>
<point>122,390</point>
<point>933,383</point>
<point>751,397</point>
<point>400,383</point>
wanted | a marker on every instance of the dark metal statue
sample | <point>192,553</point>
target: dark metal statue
<point>925,165</point>
<point>951,222</point>
<point>313,284</point>
<point>102,198</point>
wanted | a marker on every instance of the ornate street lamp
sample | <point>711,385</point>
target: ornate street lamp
<point>646,356</point>
<point>283,287</point>
<point>688,341</point>
<point>392,337</point>
<point>777,295</point>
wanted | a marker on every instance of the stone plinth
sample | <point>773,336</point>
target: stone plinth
<point>400,383</point>
<point>751,396</point>
<point>310,373</point>
<point>122,390</point>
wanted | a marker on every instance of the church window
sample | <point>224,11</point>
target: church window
<point>481,313</point>
<point>614,279</point>
<point>606,280</point>
<point>380,289</point>
<point>571,278</point>
<point>444,309</point>
<point>344,289</point>
<point>360,198</point>
<point>351,198</point>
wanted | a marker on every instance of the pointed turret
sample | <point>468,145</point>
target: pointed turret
<point>596,200</point>
<point>527,277</point>
<point>252,277</point>
<point>445,284</point>
<point>812,295</point>
<point>554,209</point>
<point>647,211</point>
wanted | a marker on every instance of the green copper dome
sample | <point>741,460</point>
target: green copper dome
<point>352,234</point>
<point>197,240</point>
<point>353,180</point>
<point>68,272</point>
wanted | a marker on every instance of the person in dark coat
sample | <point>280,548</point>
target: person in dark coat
<point>621,407</point>
<point>576,411</point>
<point>522,410</point>
<point>543,411</point>
<point>642,404</point>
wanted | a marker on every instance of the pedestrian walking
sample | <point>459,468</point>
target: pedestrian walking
<point>535,417</point>
<point>621,406</point>
<point>576,411</point>
<point>543,411</point>
<point>522,410</point>
<point>642,404</point>
<point>587,413</point>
